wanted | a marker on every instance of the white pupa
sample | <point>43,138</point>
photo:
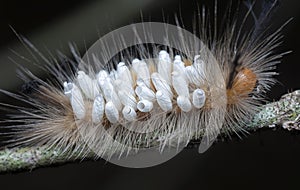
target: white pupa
<point>163,101</point>
<point>179,84</point>
<point>108,90</point>
<point>184,103</point>
<point>124,74</point>
<point>129,113</point>
<point>178,65</point>
<point>98,109</point>
<point>87,85</point>
<point>142,71</point>
<point>111,112</point>
<point>199,98</point>
<point>144,106</point>
<point>164,65</point>
<point>144,92</point>
<point>192,75</point>
<point>76,99</point>
<point>161,84</point>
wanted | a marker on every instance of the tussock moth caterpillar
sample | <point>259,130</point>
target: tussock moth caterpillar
<point>179,88</point>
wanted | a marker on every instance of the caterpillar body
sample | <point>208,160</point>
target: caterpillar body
<point>164,98</point>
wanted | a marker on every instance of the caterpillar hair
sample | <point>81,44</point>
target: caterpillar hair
<point>151,94</point>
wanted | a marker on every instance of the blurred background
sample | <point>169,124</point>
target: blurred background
<point>264,159</point>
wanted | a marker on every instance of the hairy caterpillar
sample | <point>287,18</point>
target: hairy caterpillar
<point>141,102</point>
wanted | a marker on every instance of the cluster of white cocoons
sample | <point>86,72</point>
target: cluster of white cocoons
<point>116,94</point>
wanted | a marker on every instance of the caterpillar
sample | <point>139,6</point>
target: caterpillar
<point>167,88</point>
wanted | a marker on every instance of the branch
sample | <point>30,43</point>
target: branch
<point>284,113</point>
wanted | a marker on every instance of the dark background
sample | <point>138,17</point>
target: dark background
<point>264,159</point>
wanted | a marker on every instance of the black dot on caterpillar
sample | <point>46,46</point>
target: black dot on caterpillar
<point>164,97</point>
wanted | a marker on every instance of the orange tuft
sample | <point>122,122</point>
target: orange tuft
<point>187,62</point>
<point>243,84</point>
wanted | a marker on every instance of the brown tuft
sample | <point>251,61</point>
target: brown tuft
<point>187,62</point>
<point>243,84</point>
